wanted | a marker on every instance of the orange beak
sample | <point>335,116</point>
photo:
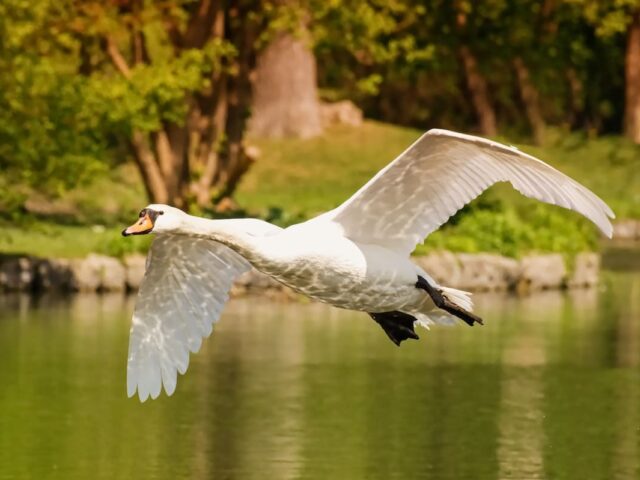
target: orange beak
<point>142,226</point>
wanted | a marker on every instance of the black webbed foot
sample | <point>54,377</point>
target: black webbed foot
<point>397,325</point>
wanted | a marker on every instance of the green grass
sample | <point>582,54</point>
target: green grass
<point>610,166</point>
<point>47,239</point>
<point>296,179</point>
<point>86,220</point>
<point>305,177</point>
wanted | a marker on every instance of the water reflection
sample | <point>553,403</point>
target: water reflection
<point>549,388</point>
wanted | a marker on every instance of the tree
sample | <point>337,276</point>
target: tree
<point>87,84</point>
<point>182,95</point>
<point>530,99</point>
<point>632,80</point>
<point>376,53</point>
<point>351,38</point>
<point>475,80</point>
<point>406,60</point>
<point>613,19</point>
<point>169,81</point>
<point>46,141</point>
<point>477,85</point>
<point>285,94</point>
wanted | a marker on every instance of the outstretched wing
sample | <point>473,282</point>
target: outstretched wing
<point>439,174</point>
<point>185,287</point>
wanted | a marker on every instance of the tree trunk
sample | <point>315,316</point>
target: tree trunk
<point>205,155</point>
<point>530,100</point>
<point>207,122</point>
<point>477,86</point>
<point>576,99</point>
<point>149,170</point>
<point>632,79</point>
<point>235,161</point>
<point>285,90</point>
<point>204,158</point>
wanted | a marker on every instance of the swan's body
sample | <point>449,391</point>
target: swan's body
<point>354,257</point>
<point>334,269</point>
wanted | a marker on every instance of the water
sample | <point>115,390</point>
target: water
<point>548,388</point>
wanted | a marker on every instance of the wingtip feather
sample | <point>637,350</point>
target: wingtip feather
<point>131,383</point>
<point>142,395</point>
<point>169,379</point>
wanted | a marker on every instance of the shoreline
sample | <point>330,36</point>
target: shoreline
<point>481,272</point>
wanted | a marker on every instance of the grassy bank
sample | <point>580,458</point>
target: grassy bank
<point>309,176</point>
<point>296,179</point>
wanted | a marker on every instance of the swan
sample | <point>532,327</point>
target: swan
<point>356,256</point>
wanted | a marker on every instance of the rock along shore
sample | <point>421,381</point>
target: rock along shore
<point>628,229</point>
<point>473,272</point>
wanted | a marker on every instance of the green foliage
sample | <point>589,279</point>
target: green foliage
<point>45,138</point>
<point>282,218</point>
<point>356,39</point>
<point>610,17</point>
<point>511,232</point>
<point>155,92</point>
<point>401,62</point>
<point>116,246</point>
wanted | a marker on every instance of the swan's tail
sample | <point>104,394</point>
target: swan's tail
<point>454,302</point>
<point>459,297</point>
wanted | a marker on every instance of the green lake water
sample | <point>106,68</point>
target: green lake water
<point>548,388</point>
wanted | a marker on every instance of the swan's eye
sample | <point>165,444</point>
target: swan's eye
<point>161,212</point>
<point>143,212</point>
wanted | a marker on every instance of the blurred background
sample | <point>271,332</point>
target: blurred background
<point>256,108</point>
<point>280,110</point>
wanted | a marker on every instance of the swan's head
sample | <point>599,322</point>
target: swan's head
<point>156,218</point>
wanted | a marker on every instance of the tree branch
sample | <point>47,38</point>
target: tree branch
<point>200,24</point>
<point>116,57</point>
<point>152,177</point>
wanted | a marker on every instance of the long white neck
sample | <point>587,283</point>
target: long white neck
<point>237,234</point>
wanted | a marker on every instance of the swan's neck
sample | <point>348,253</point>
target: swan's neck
<point>234,233</point>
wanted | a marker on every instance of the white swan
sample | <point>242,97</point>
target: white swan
<point>355,256</point>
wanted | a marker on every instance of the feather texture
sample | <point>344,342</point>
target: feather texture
<point>185,287</point>
<point>439,174</point>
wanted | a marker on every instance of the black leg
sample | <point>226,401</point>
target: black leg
<point>445,304</point>
<point>397,325</point>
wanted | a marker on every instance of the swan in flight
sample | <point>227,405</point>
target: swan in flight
<point>354,257</point>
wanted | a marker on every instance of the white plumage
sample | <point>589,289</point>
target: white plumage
<point>442,172</point>
<point>186,284</point>
<point>355,256</point>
